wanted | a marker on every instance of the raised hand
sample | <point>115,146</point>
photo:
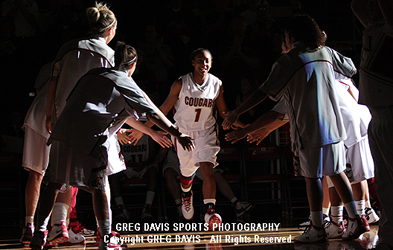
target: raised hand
<point>235,136</point>
<point>258,136</point>
<point>230,118</point>
<point>161,139</point>
<point>186,142</point>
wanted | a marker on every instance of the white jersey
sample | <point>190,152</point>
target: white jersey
<point>75,59</point>
<point>307,80</point>
<point>136,153</point>
<point>35,116</point>
<point>194,108</point>
<point>356,117</point>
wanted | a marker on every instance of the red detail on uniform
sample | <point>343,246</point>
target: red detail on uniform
<point>184,181</point>
<point>198,102</point>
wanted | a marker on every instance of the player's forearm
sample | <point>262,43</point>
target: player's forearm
<point>131,121</point>
<point>268,120</point>
<point>168,127</point>
<point>257,97</point>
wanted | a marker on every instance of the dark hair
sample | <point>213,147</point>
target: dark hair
<point>304,28</point>
<point>125,56</point>
<point>199,51</point>
<point>100,18</point>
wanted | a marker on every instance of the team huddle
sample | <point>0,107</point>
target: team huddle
<point>75,124</point>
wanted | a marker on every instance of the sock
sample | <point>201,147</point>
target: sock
<point>59,213</point>
<point>367,203</point>
<point>337,213</point>
<point>105,229</point>
<point>234,200</point>
<point>42,223</point>
<point>360,206</point>
<point>29,220</point>
<point>186,192</point>
<point>150,197</point>
<point>325,210</point>
<point>119,201</point>
<point>316,218</point>
<point>207,201</point>
<point>351,209</point>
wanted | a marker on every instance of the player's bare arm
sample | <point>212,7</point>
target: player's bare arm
<point>161,139</point>
<point>270,120</point>
<point>223,108</point>
<point>122,136</point>
<point>184,140</point>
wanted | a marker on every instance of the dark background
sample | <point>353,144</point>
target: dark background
<point>20,67</point>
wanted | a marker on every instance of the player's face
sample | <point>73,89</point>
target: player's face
<point>202,63</point>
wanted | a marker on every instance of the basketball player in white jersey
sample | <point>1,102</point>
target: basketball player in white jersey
<point>194,97</point>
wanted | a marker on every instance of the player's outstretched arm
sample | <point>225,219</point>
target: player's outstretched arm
<point>270,121</point>
<point>184,140</point>
<point>161,139</point>
<point>223,108</point>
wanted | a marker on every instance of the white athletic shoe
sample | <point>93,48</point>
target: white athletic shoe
<point>371,215</point>
<point>188,207</point>
<point>74,239</point>
<point>111,245</point>
<point>58,234</point>
<point>334,230</point>
<point>312,234</point>
<point>241,207</point>
<point>212,219</point>
<point>304,225</point>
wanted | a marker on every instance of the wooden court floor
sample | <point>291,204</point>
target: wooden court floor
<point>280,238</point>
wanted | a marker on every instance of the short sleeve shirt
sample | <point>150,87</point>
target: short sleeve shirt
<point>306,79</point>
<point>102,98</point>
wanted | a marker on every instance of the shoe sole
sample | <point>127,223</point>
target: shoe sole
<point>73,244</point>
<point>357,234</point>
<point>189,218</point>
<point>308,242</point>
<point>56,241</point>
